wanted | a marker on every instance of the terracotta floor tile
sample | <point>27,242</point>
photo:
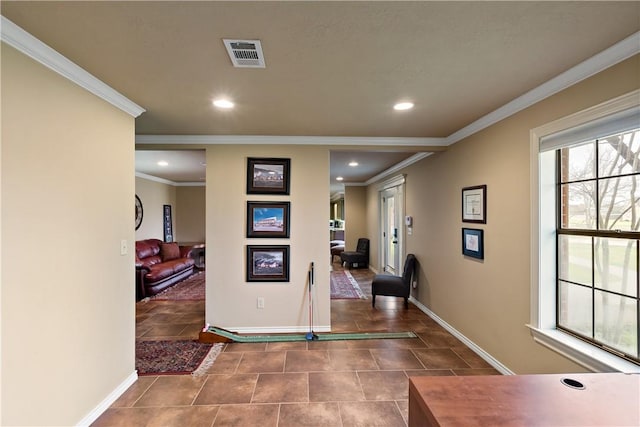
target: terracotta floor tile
<point>385,414</point>
<point>272,361</point>
<point>307,361</point>
<point>430,373</point>
<point>310,414</point>
<point>334,386</point>
<point>351,360</point>
<point>225,363</point>
<point>312,383</point>
<point>171,390</point>
<point>244,347</point>
<point>392,358</point>
<point>471,357</point>
<point>482,371</point>
<point>283,346</point>
<point>384,385</point>
<point>263,415</point>
<point>134,392</point>
<point>276,388</point>
<point>439,358</point>
<point>225,389</point>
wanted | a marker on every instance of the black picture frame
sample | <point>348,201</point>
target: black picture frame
<point>167,221</point>
<point>268,219</point>
<point>268,175</point>
<point>473,242</point>
<point>267,263</point>
<point>139,212</point>
<point>474,204</point>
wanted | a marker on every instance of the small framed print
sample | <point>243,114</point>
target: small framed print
<point>474,204</point>
<point>268,176</point>
<point>268,219</point>
<point>473,243</point>
<point>267,263</point>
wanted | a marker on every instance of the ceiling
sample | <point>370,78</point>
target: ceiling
<point>333,69</point>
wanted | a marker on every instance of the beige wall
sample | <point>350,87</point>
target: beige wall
<point>488,301</point>
<point>231,301</point>
<point>355,216</point>
<point>154,195</point>
<point>190,216</point>
<point>68,295</point>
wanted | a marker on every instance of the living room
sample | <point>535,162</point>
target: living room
<point>69,336</point>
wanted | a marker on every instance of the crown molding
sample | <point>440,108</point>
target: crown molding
<point>289,140</point>
<point>609,57</point>
<point>395,168</point>
<point>25,43</point>
<point>168,181</point>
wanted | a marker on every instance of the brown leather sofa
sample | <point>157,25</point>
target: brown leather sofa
<point>160,265</point>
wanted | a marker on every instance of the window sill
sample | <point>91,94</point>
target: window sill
<point>584,354</point>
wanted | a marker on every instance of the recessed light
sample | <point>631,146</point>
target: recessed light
<point>403,106</point>
<point>163,163</point>
<point>339,178</point>
<point>223,103</point>
<point>353,164</point>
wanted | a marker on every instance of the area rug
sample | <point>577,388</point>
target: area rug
<point>190,289</point>
<point>344,286</point>
<point>175,357</point>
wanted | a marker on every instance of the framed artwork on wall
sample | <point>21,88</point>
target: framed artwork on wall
<point>167,221</point>
<point>268,219</point>
<point>267,263</point>
<point>474,204</point>
<point>268,175</point>
<point>473,242</point>
<point>139,212</point>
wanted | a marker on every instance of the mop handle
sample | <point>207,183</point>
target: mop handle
<point>311,274</point>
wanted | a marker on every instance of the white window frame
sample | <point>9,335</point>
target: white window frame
<point>542,322</point>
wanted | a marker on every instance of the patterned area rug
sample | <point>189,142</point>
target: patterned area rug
<point>175,357</point>
<point>190,289</point>
<point>344,286</point>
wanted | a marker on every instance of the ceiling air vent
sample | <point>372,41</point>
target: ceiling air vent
<point>245,53</point>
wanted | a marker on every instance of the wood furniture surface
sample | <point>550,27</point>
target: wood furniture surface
<point>525,400</point>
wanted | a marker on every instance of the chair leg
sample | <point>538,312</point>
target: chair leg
<point>406,303</point>
<point>373,300</point>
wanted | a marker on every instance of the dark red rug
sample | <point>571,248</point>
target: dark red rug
<point>190,289</point>
<point>344,286</point>
<point>173,357</point>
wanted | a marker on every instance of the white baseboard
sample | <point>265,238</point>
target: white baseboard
<point>473,346</point>
<point>108,401</point>
<point>277,330</point>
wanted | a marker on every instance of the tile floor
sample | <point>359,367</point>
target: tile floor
<point>328,383</point>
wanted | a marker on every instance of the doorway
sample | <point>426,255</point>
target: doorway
<point>391,225</point>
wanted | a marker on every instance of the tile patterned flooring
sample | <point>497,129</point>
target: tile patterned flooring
<point>327,383</point>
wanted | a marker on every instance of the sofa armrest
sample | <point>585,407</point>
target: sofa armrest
<point>185,251</point>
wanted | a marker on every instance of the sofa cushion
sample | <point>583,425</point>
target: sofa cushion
<point>169,251</point>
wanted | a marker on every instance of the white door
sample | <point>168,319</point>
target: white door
<point>391,230</point>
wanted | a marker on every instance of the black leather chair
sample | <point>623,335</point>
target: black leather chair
<point>359,258</point>
<point>395,286</point>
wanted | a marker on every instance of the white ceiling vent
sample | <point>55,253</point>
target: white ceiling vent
<point>245,53</point>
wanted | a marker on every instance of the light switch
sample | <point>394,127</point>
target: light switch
<point>124,249</point>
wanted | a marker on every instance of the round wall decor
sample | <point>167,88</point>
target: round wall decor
<point>139,212</point>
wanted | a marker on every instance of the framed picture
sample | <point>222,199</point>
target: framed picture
<point>139,212</point>
<point>167,223</point>
<point>267,263</point>
<point>268,176</point>
<point>268,219</point>
<point>473,242</point>
<point>474,204</point>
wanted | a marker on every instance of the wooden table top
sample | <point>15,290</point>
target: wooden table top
<point>526,400</point>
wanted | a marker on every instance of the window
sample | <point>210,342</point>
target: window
<point>598,210</point>
<point>585,215</point>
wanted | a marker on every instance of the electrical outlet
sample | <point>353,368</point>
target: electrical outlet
<point>124,249</point>
<point>260,302</point>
